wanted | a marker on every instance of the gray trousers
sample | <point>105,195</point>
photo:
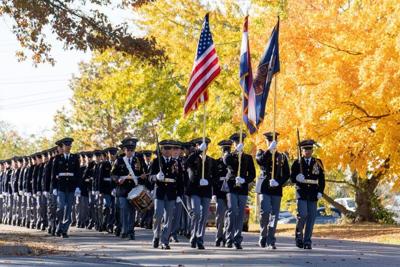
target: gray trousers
<point>163,212</point>
<point>1,208</point>
<point>176,220</point>
<point>127,215</point>
<point>221,219</point>
<point>42,210</point>
<point>10,207</point>
<point>200,206</point>
<point>52,211</point>
<point>83,210</point>
<point>73,210</point>
<point>306,213</point>
<point>17,207</point>
<point>236,206</point>
<point>64,210</point>
<point>269,216</point>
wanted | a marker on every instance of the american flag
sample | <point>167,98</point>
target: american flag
<point>205,69</point>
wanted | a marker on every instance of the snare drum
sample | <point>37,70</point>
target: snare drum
<point>140,198</point>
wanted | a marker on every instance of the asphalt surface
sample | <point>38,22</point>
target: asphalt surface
<point>90,248</point>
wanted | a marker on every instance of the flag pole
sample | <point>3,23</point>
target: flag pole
<point>204,138</point>
<point>241,135</point>
<point>274,127</point>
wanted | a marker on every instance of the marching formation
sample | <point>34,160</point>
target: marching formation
<point>168,190</point>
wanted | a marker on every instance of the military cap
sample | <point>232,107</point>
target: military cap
<point>112,150</point>
<point>88,154</point>
<point>199,140</point>
<point>67,141</point>
<point>97,152</point>
<point>147,153</point>
<point>129,142</point>
<point>307,144</point>
<point>188,145</point>
<point>270,136</point>
<point>236,137</point>
<point>225,143</point>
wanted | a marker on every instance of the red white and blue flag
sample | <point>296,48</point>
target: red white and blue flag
<point>246,82</point>
<point>205,69</point>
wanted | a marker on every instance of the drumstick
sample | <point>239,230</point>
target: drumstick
<point>184,206</point>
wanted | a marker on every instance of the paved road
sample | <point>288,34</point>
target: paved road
<point>101,249</point>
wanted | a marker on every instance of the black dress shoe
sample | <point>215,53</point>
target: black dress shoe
<point>262,243</point>
<point>65,235</point>
<point>307,246</point>
<point>299,244</point>
<point>165,246</point>
<point>200,246</point>
<point>238,246</point>
<point>175,239</point>
<point>132,236</point>
<point>58,234</point>
<point>218,242</point>
<point>229,245</point>
<point>156,241</point>
<point>272,246</point>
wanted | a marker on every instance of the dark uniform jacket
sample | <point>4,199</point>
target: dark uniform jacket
<point>281,171</point>
<point>315,179</point>
<point>221,171</point>
<point>104,178</point>
<point>172,170</point>
<point>66,173</point>
<point>46,178</point>
<point>120,169</point>
<point>247,171</point>
<point>39,179</point>
<point>194,170</point>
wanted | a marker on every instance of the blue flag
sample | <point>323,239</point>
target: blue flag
<point>268,66</point>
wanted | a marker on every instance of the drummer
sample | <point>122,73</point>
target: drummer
<point>168,191</point>
<point>126,172</point>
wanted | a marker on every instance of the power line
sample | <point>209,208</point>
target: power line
<point>30,82</point>
<point>34,94</point>
<point>32,103</point>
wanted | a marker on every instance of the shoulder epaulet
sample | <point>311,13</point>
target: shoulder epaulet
<point>319,162</point>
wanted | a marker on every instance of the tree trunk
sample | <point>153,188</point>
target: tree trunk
<point>364,197</point>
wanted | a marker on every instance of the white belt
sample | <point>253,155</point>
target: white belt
<point>169,180</point>
<point>108,179</point>
<point>222,178</point>
<point>310,181</point>
<point>66,174</point>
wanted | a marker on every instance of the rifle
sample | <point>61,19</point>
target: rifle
<point>299,150</point>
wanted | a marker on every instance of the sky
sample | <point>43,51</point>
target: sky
<point>30,96</point>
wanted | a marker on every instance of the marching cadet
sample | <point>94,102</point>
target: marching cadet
<point>46,184</point>
<point>309,178</point>
<point>125,173</point>
<point>219,193</point>
<point>168,190</point>
<point>105,187</point>
<point>238,190</point>
<point>18,189</point>
<point>114,216</point>
<point>95,187</point>
<point>2,168</point>
<point>65,176</point>
<point>147,217</point>
<point>31,195</point>
<point>269,188</point>
<point>28,190</point>
<point>39,201</point>
<point>14,187</point>
<point>83,197</point>
<point>188,148</point>
<point>177,217</point>
<point>52,212</point>
<point>89,182</point>
<point>199,189</point>
<point>21,188</point>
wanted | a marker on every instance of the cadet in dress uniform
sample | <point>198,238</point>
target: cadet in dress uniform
<point>88,177</point>
<point>168,190</point>
<point>200,190</point>
<point>238,190</point>
<point>115,222</point>
<point>83,197</point>
<point>270,189</point>
<point>66,174</point>
<point>105,187</point>
<point>219,193</point>
<point>39,200</point>
<point>310,184</point>
<point>31,195</point>
<point>46,180</point>
<point>52,212</point>
<point>2,168</point>
<point>21,188</point>
<point>126,182</point>
<point>146,221</point>
<point>95,187</point>
<point>14,185</point>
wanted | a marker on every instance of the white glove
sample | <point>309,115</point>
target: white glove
<point>114,192</point>
<point>178,199</point>
<point>239,147</point>
<point>203,146</point>
<point>55,192</point>
<point>28,194</point>
<point>273,183</point>
<point>300,178</point>
<point>39,193</point>
<point>214,198</point>
<point>203,182</point>
<point>93,193</point>
<point>319,195</point>
<point>20,193</point>
<point>15,194</point>
<point>240,180</point>
<point>45,193</point>
<point>160,176</point>
<point>97,193</point>
<point>77,192</point>
<point>34,195</point>
<point>272,146</point>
